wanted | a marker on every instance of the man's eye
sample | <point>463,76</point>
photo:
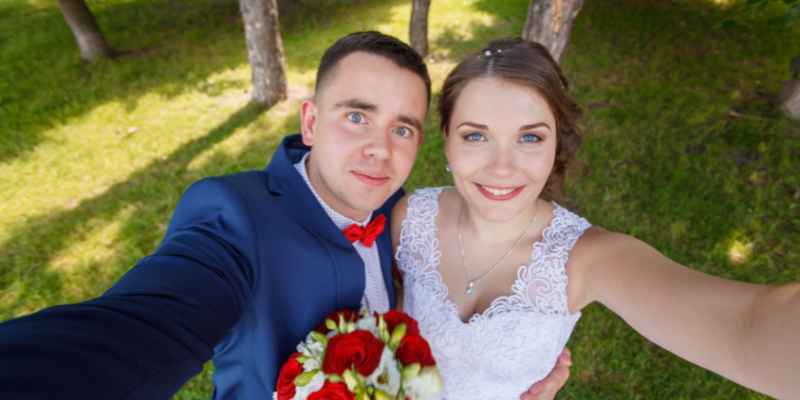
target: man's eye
<point>403,131</point>
<point>530,138</point>
<point>355,117</point>
<point>474,137</point>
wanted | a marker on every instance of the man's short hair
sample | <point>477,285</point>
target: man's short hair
<point>376,43</point>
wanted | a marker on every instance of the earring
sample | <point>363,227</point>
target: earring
<point>447,168</point>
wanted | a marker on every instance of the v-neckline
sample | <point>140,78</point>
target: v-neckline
<point>482,315</point>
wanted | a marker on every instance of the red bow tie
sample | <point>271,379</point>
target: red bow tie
<point>366,235</point>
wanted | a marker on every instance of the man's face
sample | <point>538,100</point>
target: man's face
<point>364,127</point>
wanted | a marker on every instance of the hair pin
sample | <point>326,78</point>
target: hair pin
<point>490,52</point>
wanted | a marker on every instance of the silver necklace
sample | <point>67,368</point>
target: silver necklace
<point>472,282</point>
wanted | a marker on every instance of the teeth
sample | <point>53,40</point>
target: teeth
<point>498,192</point>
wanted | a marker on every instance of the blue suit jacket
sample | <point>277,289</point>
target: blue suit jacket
<point>249,265</point>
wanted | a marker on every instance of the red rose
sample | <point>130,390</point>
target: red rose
<point>415,349</point>
<point>358,348</point>
<point>394,318</point>
<point>290,369</point>
<point>332,391</point>
<point>347,314</point>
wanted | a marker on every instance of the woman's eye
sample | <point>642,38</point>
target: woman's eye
<point>530,138</point>
<point>403,131</point>
<point>474,137</point>
<point>355,117</point>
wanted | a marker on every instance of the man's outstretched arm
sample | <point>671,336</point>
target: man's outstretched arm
<point>154,329</point>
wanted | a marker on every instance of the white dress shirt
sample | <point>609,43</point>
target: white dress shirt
<point>375,297</point>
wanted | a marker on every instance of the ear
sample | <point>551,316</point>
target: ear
<point>308,121</point>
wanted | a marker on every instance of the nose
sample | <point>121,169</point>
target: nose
<point>379,146</point>
<point>502,163</point>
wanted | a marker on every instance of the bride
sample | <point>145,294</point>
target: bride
<point>496,272</point>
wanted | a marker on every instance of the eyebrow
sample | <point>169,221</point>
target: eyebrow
<point>367,106</point>
<point>357,103</point>
<point>536,125</point>
<point>472,124</point>
<point>522,128</point>
<point>411,121</point>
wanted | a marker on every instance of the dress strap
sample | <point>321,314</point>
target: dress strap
<point>418,251</point>
<point>544,281</point>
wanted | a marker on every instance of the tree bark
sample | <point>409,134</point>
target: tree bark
<point>789,99</point>
<point>84,27</point>
<point>550,23</point>
<point>264,50</point>
<point>418,30</point>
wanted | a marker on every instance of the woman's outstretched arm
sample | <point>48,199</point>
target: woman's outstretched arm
<point>745,332</point>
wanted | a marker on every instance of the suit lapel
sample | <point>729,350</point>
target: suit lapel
<point>296,198</point>
<point>284,181</point>
<point>385,249</point>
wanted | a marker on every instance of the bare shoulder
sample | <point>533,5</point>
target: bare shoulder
<point>594,250</point>
<point>598,242</point>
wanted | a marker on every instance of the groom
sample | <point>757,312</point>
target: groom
<point>253,261</point>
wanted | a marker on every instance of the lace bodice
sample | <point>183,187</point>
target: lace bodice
<point>515,342</point>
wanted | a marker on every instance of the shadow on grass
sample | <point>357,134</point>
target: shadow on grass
<point>149,195</point>
<point>173,47</point>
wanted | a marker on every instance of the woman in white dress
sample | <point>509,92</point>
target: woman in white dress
<point>496,272</point>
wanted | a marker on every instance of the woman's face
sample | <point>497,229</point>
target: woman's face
<point>501,145</point>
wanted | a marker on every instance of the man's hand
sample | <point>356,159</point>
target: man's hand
<point>547,388</point>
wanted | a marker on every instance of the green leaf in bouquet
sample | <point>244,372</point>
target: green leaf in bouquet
<point>330,324</point>
<point>383,331</point>
<point>381,395</point>
<point>342,324</point>
<point>350,380</point>
<point>303,358</point>
<point>304,378</point>
<point>397,336</point>
<point>320,338</point>
<point>335,378</point>
<point>411,371</point>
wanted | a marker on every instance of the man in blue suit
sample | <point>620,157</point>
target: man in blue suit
<point>250,262</point>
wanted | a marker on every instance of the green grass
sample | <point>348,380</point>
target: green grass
<point>683,146</point>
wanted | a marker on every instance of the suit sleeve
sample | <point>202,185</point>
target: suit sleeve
<point>154,329</point>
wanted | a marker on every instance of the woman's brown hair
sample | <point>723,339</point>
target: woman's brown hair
<point>527,64</point>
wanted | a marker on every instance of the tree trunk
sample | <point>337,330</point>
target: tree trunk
<point>87,33</point>
<point>789,99</point>
<point>550,22</point>
<point>418,31</point>
<point>264,50</point>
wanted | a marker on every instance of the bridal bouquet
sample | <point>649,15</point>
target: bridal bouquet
<point>361,356</point>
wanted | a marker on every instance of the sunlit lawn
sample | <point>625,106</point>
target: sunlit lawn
<point>683,148</point>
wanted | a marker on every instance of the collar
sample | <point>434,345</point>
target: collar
<point>340,220</point>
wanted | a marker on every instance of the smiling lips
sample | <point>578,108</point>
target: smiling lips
<point>498,193</point>
<point>370,180</point>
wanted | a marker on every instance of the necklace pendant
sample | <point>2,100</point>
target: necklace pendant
<point>470,287</point>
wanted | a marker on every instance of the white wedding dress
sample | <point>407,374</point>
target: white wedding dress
<point>500,353</point>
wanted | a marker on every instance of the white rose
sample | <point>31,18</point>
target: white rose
<point>368,323</point>
<point>427,385</point>
<point>387,376</point>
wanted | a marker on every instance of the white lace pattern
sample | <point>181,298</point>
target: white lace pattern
<point>515,342</point>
